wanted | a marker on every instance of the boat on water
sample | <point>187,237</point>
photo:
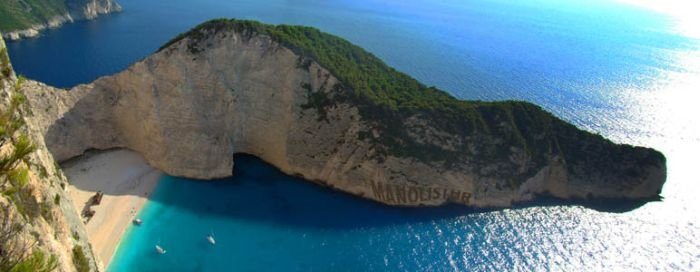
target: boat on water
<point>211,240</point>
<point>160,250</point>
<point>137,221</point>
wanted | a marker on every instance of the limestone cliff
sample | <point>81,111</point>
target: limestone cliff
<point>310,103</point>
<point>27,18</point>
<point>42,206</point>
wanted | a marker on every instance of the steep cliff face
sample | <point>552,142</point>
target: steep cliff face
<point>42,206</point>
<point>27,18</point>
<point>275,92</point>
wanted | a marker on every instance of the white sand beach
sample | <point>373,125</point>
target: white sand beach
<point>126,181</point>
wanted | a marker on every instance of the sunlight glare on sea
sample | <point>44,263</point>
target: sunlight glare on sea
<point>684,13</point>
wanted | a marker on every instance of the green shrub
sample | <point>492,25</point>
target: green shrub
<point>14,177</point>
<point>37,262</point>
<point>42,172</point>
<point>80,260</point>
<point>46,211</point>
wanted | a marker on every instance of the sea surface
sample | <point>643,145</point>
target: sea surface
<point>629,71</point>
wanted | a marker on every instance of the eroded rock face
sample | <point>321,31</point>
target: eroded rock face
<point>94,8</point>
<point>188,111</point>
<point>59,229</point>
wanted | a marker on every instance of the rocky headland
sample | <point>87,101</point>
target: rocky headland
<point>315,106</point>
<point>26,19</point>
<point>318,107</point>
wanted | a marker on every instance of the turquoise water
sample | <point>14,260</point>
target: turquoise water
<point>626,72</point>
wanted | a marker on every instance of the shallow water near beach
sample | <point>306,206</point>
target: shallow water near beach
<point>628,73</point>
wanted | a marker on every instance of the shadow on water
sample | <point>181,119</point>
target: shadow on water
<point>609,205</point>
<point>259,192</point>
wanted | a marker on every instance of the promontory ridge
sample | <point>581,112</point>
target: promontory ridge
<point>316,106</point>
<point>310,103</point>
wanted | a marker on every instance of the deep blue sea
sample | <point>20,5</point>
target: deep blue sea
<point>628,72</point>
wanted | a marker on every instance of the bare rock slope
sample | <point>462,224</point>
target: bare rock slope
<point>314,106</point>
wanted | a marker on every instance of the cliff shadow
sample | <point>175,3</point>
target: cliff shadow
<point>259,192</point>
<point>608,205</point>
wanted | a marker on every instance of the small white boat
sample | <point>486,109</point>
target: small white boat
<point>211,240</point>
<point>137,221</point>
<point>160,250</point>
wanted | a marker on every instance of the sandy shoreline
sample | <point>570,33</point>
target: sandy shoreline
<point>126,181</point>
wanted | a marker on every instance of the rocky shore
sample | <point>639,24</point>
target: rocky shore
<point>87,11</point>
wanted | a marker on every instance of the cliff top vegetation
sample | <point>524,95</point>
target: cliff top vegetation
<point>18,15</point>
<point>387,98</point>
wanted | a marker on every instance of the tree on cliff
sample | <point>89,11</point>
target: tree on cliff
<point>16,252</point>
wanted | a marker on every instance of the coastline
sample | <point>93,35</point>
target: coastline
<point>36,29</point>
<point>88,12</point>
<point>126,180</point>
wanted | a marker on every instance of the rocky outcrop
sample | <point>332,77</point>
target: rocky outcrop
<point>218,90</point>
<point>50,221</point>
<point>73,10</point>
